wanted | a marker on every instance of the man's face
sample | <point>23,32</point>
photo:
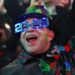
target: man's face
<point>36,41</point>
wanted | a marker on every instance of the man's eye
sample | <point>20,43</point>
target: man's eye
<point>24,26</point>
<point>44,22</point>
<point>36,24</point>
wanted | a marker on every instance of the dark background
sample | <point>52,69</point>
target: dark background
<point>64,21</point>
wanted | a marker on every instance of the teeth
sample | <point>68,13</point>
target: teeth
<point>31,37</point>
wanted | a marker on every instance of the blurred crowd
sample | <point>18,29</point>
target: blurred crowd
<point>60,11</point>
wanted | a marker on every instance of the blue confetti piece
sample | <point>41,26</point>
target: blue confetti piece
<point>68,66</point>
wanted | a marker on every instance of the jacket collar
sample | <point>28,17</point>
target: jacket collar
<point>52,51</point>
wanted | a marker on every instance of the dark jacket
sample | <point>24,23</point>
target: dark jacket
<point>59,60</point>
<point>65,23</point>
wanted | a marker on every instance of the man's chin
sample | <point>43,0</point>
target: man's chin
<point>34,52</point>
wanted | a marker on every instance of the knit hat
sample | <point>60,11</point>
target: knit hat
<point>35,11</point>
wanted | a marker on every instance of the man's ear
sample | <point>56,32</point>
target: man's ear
<point>50,35</point>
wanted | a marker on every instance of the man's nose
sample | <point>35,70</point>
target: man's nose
<point>30,29</point>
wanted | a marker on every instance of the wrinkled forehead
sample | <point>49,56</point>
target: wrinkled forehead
<point>29,20</point>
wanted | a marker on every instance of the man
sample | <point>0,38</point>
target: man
<point>51,5</point>
<point>7,51</point>
<point>62,12</point>
<point>39,56</point>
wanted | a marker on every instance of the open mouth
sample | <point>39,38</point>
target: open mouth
<point>31,38</point>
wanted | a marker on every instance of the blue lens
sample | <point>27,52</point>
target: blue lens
<point>25,25</point>
<point>36,24</point>
<point>44,22</point>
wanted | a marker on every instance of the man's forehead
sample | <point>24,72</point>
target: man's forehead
<point>31,19</point>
